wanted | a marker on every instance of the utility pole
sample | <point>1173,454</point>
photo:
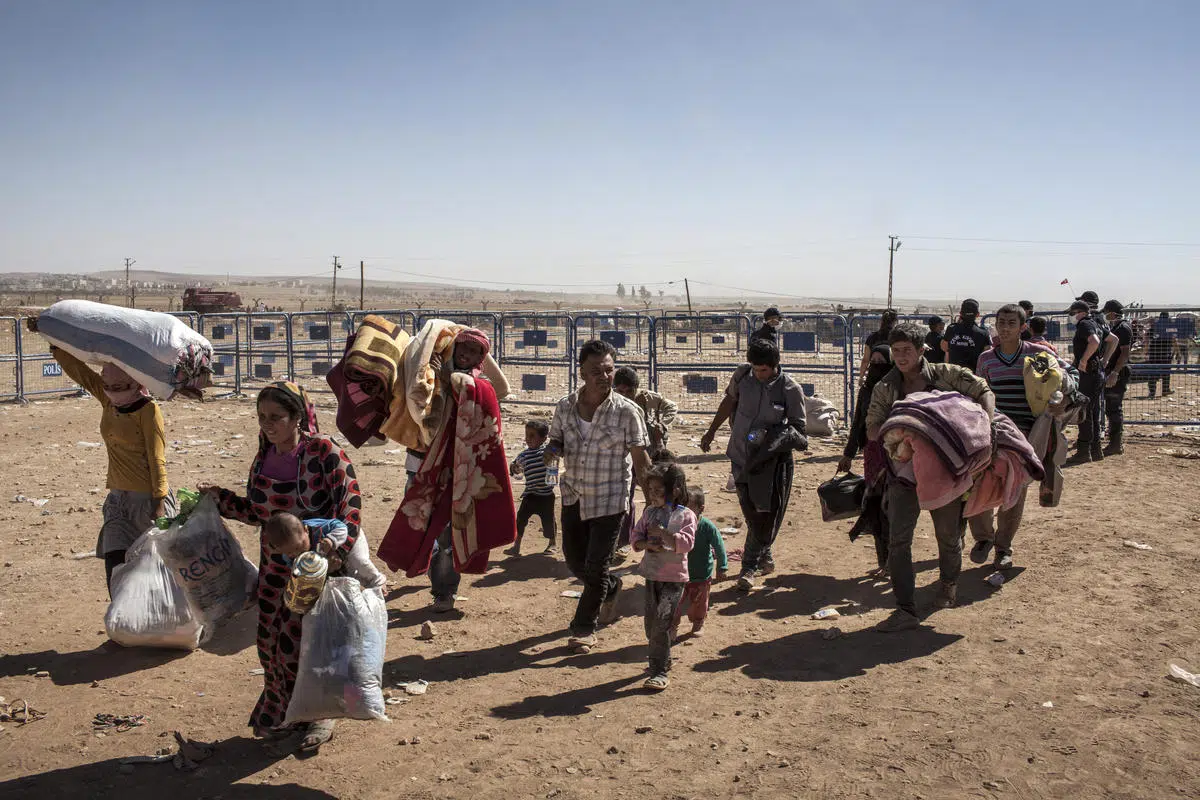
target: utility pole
<point>688,291</point>
<point>129,262</point>
<point>892,248</point>
<point>361,283</point>
<point>336,267</point>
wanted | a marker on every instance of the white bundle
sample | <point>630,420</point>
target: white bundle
<point>157,350</point>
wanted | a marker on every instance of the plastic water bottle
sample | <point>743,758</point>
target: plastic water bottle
<point>552,474</point>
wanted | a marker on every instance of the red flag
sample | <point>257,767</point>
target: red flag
<point>1064,282</point>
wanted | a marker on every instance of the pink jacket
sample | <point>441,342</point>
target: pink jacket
<point>669,565</point>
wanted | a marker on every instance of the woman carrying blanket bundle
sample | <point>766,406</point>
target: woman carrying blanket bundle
<point>303,472</point>
<point>131,426</point>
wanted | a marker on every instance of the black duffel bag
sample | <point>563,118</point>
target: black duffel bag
<point>842,496</point>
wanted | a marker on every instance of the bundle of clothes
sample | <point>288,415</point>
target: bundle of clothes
<point>943,444</point>
<point>158,351</point>
<point>437,394</point>
<point>392,385</point>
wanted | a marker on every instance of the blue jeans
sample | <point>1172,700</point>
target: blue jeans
<point>443,578</point>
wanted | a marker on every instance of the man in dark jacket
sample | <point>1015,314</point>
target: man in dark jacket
<point>966,340</point>
<point>770,327</point>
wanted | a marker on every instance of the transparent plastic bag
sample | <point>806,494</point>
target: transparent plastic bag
<point>207,563</point>
<point>342,646</point>
<point>148,607</point>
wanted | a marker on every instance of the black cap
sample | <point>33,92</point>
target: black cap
<point>1077,306</point>
<point>771,312</point>
<point>1090,297</point>
<point>934,320</point>
<point>1113,306</point>
<point>969,306</point>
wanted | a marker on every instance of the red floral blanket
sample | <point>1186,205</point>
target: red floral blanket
<point>464,482</point>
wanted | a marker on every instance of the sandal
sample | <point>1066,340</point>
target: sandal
<point>318,733</point>
<point>656,683</point>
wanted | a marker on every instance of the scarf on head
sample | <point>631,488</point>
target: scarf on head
<point>308,414</point>
<point>476,337</point>
<point>110,374</point>
<point>875,372</point>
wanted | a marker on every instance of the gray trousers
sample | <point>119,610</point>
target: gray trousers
<point>903,510</point>
<point>662,598</point>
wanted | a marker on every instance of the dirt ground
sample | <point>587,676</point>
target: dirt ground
<point>767,704</point>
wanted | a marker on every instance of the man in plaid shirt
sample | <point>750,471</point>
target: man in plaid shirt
<point>599,435</point>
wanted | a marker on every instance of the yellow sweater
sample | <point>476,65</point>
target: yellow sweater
<point>136,442</point>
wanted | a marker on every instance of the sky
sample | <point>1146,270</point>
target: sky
<point>765,146</point>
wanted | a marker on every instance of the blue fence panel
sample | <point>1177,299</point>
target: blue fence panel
<point>695,355</point>
<point>226,333</point>
<point>316,341</point>
<point>537,355</point>
<point>632,334</point>
<point>815,350</point>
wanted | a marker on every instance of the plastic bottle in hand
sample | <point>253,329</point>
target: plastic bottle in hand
<point>552,466</point>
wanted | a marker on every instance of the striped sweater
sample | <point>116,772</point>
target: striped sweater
<point>1005,375</point>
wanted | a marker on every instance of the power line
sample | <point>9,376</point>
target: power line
<point>540,285</point>
<point>1065,242</point>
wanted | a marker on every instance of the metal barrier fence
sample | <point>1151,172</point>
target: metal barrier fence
<point>695,355</point>
<point>538,355</point>
<point>687,357</point>
<point>1164,388</point>
<point>316,341</point>
<point>10,358</point>
<point>630,333</point>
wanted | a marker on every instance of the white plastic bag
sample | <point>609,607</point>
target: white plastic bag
<point>148,608</point>
<point>342,646</point>
<point>207,563</point>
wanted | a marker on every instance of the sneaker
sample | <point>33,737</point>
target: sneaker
<point>657,682</point>
<point>619,555</point>
<point>515,550</point>
<point>748,581</point>
<point>582,644</point>
<point>981,550</point>
<point>947,595</point>
<point>697,629</point>
<point>1114,449</point>
<point>1003,559</point>
<point>608,609</point>
<point>442,606</point>
<point>766,565</point>
<point>550,550</point>
<point>899,620</point>
<point>1097,454</point>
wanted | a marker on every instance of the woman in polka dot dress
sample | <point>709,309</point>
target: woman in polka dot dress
<point>308,474</point>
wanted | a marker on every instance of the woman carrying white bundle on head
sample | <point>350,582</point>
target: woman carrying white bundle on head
<point>131,426</point>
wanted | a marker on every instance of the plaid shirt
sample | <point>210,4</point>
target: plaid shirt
<point>597,469</point>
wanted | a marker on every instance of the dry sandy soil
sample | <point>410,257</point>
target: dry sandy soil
<point>765,705</point>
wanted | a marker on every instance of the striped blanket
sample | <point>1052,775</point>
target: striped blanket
<point>157,350</point>
<point>418,403</point>
<point>365,380</point>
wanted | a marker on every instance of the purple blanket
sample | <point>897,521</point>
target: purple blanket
<point>956,426</point>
